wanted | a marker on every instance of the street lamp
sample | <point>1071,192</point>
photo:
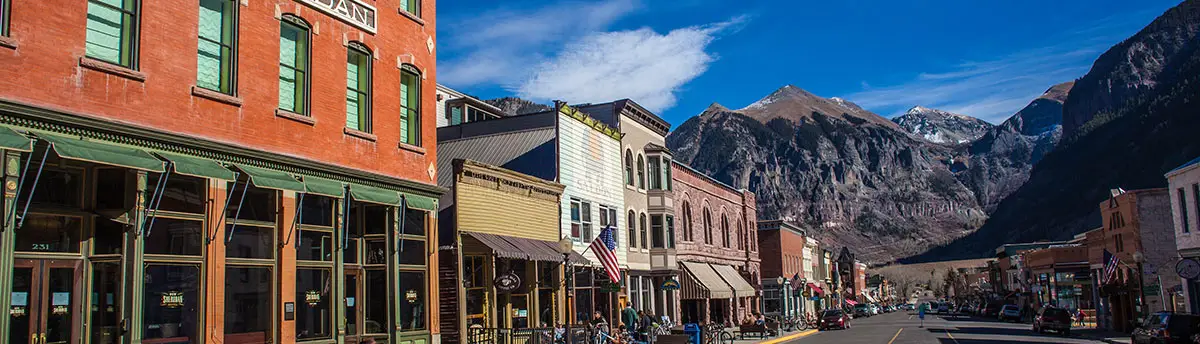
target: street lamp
<point>783,299</point>
<point>566,246</point>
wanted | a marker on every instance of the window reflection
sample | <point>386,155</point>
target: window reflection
<point>106,302</point>
<point>412,300</point>
<point>176,237</point>
<point>247,304</point>
<point>171,303</point>
<point>49,233</point>
<point>313,292</point>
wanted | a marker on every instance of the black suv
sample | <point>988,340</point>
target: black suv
<point>1166,327</point>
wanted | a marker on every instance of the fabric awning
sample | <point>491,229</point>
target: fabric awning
<point>741,288</point>
<point>420,202</point>
<point>324,187</point>
<point>103,153</point>
<point>271,179</point>
<point>197,167</point>
<point>817,290</point>
<point>12,140</point>
<point>702,282</point>
<point>851,302</point>
<point>373,194</point>
<point>502,248</point>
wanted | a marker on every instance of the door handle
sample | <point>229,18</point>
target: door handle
<point>42,338</point>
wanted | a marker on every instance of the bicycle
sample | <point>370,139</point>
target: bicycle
<point>715,333</point>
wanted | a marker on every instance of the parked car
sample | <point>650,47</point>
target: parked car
<point>964,309</point>
<point>992,309</point>
<point>1053,319</point>
<point>1166,328</point>
<point>943,308</point>
<point>874,309</point>
<point>862,311</point>
<point>834,318</point>
<point>1010,313</point>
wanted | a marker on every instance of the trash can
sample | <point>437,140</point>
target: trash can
<point>693,332</point>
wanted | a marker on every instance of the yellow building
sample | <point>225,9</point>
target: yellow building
<point>502,266</point>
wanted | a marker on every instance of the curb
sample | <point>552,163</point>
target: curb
<point>796,335</point>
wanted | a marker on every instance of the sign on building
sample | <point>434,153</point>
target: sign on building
<point>354,12</point>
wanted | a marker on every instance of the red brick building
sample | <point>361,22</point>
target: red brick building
<point>219,170</point>
<point>781,248</point>
<point>716,247</point>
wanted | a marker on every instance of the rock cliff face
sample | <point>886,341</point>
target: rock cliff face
<point>514,106</point>
<point>939,126</point>
<point>1135,68</point>
<point>999,162</point>
<point>1133,117</point>
<point>851,177</point>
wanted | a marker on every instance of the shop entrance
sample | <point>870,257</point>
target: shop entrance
<point>43,300</point>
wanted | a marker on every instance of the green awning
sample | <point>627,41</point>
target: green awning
<point>421,202</point>
<point>12,140</point>
<point>198,167</point>
<point>103,153</point>
<point>324,187</point>
<point>271,179</point>
<point>374,195</point>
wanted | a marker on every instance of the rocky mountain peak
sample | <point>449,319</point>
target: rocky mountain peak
<point>939,126</point>
<point>798,105</point>
<point>515,106</point>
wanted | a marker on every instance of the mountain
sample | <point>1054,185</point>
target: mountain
<point>1134,68</point>
<point>514,106</point>
<point>1121,136</point>
<point>939,126</point>
<point>851,177</point>
<point>999,162</point>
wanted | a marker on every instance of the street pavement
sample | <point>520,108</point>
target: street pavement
<point>906,327</point>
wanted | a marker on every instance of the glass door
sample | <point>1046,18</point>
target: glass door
<point>42,301</point>
<point>353,331</point>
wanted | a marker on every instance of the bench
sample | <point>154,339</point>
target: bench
<point>746,330</point>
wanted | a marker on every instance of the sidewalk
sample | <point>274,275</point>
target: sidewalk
<point>783,337</point>
<point>1104,336</point>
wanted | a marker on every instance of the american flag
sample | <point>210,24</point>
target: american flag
<point>603,246</point>
<point>1110,267</point>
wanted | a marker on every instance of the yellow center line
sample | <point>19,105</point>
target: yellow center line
<point>951,336</point>
<point>897,335</point>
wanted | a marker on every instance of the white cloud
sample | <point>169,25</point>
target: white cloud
<point>643,65</point>
<point>500,46</point>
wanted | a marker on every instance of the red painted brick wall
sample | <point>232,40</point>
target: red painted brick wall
<point>782,253</point>
<point>44,71</point>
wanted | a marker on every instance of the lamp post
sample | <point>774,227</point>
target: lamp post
<point>566,246</point>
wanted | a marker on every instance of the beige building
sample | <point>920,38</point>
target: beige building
<point>1184,186</point>
<point>649,212</point>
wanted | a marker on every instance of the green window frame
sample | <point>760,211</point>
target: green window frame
<point>411,6</point>
<point>358,88</point>
<point>5,8</point>
<point>112,31</point>
<point>410,106</point>
<point>294,38</point>
<point>216,56</point>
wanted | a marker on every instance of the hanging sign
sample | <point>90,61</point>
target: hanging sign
<point>669,284</point>
<point>508,282</point>
<point>171,299</point>
<point>1188,268</point>
<point>312,298</point>
<point>610,287</point>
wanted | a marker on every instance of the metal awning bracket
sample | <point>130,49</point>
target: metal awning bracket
<point>160,189</point>
<point>212,234</point>
<point>36,178</point>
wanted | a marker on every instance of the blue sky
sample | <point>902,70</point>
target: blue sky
<point>987,59</point>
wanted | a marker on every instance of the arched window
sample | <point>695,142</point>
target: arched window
<point>293,64</point>
<point>741,241</point>
<point>358,87</point>
<point>629,169</point>
<point>724,231</point>
<point>410,105</point>
<point>632,229</point>
<point>708,226</point>
<point>641,175</point>
<point>642,225</point>
<point>687,221</point>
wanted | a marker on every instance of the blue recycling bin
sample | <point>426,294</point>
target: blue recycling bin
<point>694,333</point>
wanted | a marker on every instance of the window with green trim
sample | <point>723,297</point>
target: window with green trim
<point>293,65</point>
<point>411,6</point>
<point>410,107</point>
<point>358,88</point>
<point>5,6</point>
<point>112,31</point>
<point>215,53</point>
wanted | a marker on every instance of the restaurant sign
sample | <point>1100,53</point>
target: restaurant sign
<point>354,12</point>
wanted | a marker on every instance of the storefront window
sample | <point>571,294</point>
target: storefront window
<point>184,194</point>
<point>376,302</point>
<point>315,245</point>
<point>56,187</point>
<point>173,236</point>
<point>314,319</point>
<point>259,204</point>
<point>171,302</point>
<point>250,241</point>
<point>106,302</point>
<point>318,210</point>
<point>49,233</point>
<point>474,275</point>
<point>412,300</point>
<point>248,292</point>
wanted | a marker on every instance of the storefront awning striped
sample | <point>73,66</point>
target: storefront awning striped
<point>701,282</point>
<point>741,288</point>
<point>103,153</point>
<point>521,248</point>
<point>12,140</point>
